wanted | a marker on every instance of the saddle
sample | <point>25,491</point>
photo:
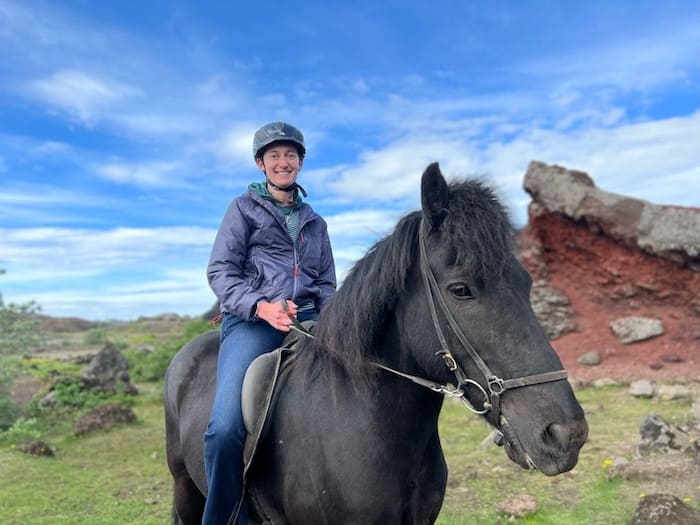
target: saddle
<point>259,386</point>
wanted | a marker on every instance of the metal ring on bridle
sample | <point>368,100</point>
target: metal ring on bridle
<point>468,404</point>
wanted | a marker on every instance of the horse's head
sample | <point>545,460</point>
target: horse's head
<point>480,321</point>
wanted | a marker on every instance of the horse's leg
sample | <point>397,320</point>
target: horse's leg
<point>430,490</point>
<point>188,501</point>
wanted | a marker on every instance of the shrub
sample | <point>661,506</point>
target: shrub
<point>151,367</point>
<point>19,327</point>
<point>9,412</point>
<point>22,430</point>
<point>71,393</point>
<point>95,336</point>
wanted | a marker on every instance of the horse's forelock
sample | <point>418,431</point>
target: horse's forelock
<point>479,228</point>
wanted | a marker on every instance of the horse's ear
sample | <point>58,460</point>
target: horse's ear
<point>434,195</point>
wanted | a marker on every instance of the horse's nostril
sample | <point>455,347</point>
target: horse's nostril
<point>557,434</point>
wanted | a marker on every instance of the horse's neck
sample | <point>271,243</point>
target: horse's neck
<point>406,397</point>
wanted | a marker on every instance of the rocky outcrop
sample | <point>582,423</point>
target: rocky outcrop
<point>672,232</point>
<point>664,509</point>
<point>109,371</point>
<point>614,276</point>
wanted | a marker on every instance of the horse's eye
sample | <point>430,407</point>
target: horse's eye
<point>460,291</point>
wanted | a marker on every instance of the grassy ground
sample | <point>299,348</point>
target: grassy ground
<point>114,477</point>
<point>481,476</point>
<point>120,476</point>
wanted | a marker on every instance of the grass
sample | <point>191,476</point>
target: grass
<point>120,476</point>
<point>481,477</point>
<point>114,477</point>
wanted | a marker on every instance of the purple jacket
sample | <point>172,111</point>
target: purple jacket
<point>254,257</point>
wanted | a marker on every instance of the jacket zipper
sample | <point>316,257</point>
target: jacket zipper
<point>297,270</point>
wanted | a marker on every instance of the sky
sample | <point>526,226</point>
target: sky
<point>126,126</point>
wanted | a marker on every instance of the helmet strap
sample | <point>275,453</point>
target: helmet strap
<point>292,187</point>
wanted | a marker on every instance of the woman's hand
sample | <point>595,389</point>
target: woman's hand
<point>276,315</point>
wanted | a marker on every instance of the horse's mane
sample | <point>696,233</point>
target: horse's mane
<point>477,226</point>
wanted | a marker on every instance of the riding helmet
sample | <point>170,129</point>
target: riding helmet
<point>277,132</point>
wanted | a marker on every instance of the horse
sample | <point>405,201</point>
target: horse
<point>438,308</point>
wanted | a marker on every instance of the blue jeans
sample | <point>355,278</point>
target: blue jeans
<point>241,342</point>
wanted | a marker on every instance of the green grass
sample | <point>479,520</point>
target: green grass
<point>481,476</point>
<point>120,476</point>
<point>114,477</point>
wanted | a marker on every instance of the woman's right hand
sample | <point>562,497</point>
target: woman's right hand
<point>276,315</point>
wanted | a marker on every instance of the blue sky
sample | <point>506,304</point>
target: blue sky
<point>126,127</point>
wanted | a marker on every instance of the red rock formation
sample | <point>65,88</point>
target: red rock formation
<point>596,249</point>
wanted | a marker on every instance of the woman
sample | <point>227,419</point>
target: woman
<point>271,247</point>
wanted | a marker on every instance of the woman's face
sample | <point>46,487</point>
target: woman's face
<point>281,163</point>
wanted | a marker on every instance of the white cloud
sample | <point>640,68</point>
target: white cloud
<point>51,147</point>
<point>148,174</point>
<point>236,144</point>
<point>82,95</point>
<point>394,171</point>
<point>634,63</point>
<point>89,250</point>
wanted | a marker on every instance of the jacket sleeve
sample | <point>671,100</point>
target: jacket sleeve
<point>326,276</point>
<point>226,269</point>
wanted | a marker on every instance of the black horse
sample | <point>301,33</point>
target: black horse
<point>352,435</point>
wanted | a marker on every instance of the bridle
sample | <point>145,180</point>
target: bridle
<point>496,386</point>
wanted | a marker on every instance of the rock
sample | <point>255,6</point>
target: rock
<point>518,506</point>
<point>36,447</point>
<point>103,418</point>
<point>632,329</point>
<point>604,382</point>
<point>108,370</point>
<point>642,388</point>
<point>654,468</point>
<point>619,463</point>
<point>552,309</point>
<point>672,358</point>
<point>673,392</point>
<point>664,509</point>
<point>672,232</point>
<point>589,358</point>
<point>696,408</point>
<point>660,436</point>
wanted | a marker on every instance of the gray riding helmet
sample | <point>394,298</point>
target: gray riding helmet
<point>277,132</point>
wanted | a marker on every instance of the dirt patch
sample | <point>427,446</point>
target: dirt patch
<point>103,418</point>
<point>23,389</point>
